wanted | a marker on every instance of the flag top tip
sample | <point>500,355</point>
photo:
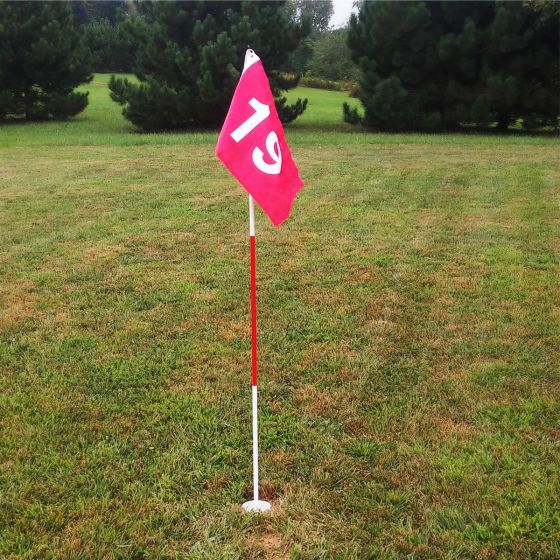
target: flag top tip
<point>250,58</point>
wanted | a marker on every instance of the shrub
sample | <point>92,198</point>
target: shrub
<point>321,83</point>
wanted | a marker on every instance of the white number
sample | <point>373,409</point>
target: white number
<point>262,111</point>
<point>273,149</point>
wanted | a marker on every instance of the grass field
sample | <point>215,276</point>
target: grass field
<point>409,346</point>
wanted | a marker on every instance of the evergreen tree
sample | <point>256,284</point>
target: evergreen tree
<point>437,65</point>
<point>189,57</point>
<point>42,60</point>
<point>89,10</point>
<point>519,78</point>
<point>110,46</point>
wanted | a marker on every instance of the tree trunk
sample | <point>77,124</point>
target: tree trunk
<point>27,102</point>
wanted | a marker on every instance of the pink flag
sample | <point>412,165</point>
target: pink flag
<point>252,144</point>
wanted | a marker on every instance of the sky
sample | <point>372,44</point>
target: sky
<point>342,9</point>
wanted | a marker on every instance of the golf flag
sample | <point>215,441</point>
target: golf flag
<point>252,144</point>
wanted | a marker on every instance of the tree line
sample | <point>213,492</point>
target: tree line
<point>429,66</point>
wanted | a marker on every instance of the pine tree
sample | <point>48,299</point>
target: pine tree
<point>189,58</point>
<point>89,10</point>
<point>520,74</point>
<point>110,47</point>
<point>440,65</point>
<point>41,61</point>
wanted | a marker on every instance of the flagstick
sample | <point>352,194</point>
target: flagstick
<point>254,505</point>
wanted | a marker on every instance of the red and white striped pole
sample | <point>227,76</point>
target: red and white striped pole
<point>254,505</point>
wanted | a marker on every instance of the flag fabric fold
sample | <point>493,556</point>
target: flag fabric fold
<point>252,145</point>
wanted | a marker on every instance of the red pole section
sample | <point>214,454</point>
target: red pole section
<point>253,311</point>
<point>255,504</point>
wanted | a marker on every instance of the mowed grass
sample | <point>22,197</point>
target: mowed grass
<point>409,346</point>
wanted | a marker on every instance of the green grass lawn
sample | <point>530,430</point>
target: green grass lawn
<point>409,345</point>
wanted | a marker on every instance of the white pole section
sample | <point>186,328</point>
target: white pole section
<point>254,505</point>
<point>251,217</point>
<point>255,444</point>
